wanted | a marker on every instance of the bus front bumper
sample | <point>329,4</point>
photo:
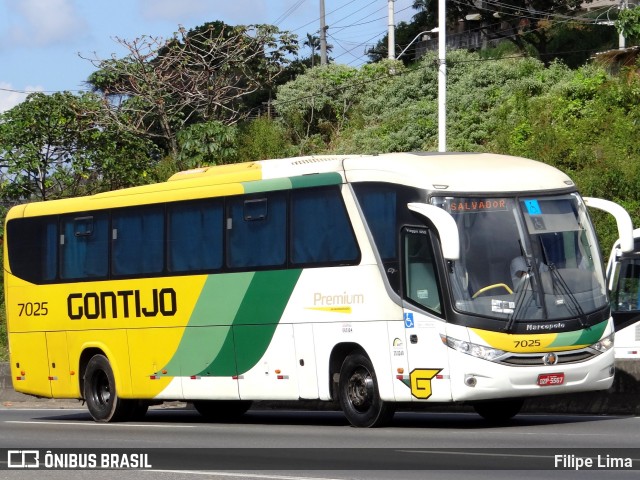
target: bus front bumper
<point>476,379</point>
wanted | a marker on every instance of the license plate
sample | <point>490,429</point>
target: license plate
<point>548,379</point>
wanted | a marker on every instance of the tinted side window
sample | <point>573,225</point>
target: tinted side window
<point>320,228</point>
<point>420,279</point>
<point>379,205</point>
<point>138,241</point>
<point>257,231</point>
<point>195,236</point>
<point>33,248</point>
<point>384,206</point>
<point>84,246</point>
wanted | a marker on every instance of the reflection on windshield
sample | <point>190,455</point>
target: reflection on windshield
<point>525,259</point>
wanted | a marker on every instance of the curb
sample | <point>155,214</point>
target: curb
<point>623,398</point>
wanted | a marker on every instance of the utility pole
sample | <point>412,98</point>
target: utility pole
<point>323,36</point>
<point>442,77</point>
<point>391,36</point>
<point>622,43</point>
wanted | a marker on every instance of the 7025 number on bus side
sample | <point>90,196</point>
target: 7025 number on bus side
<point>33,309</point>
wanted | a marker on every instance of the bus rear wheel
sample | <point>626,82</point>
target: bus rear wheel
<point>499,411</point>
<point>359,396</point>
<point>100,392</point>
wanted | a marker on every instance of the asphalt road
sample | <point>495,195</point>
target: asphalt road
<point>284,445</point>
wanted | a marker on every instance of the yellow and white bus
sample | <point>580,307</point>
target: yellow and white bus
<point>365,280</point>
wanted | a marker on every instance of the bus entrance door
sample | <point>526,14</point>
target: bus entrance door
<point>428,376</point>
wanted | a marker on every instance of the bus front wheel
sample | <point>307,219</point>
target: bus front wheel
<point>100,392</point>
<point>359,396</point>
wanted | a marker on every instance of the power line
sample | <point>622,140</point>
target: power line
<point>530,13</point>
<point>28,92</point>
<point>363,43</point>
<point>348,51</point>
<point>318,19</point>
<point>288,12</point>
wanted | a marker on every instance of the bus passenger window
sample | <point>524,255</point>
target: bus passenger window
<point>195,236</point>
<point>84,247</point>
<point>421,283</point>
<point>321,232</point>
<point>257,231</point>
<point>137,241</point>
<point>33,248</point>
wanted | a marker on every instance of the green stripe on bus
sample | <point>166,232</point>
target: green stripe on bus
<point>236,312</point>
<point>316,180</point>
<point>304,181</point>
<point>208,333</point>
<point>593,334</point>
<point>587,336</point>
<point>267,185</point>
<point>220,299</point>
<point>260,313</point>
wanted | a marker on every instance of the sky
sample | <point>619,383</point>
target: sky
<point>46,45</point>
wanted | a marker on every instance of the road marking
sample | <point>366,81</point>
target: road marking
<point>88,424</point>
<point>239,474</point>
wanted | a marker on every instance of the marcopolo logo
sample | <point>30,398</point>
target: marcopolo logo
<point>122,303</point>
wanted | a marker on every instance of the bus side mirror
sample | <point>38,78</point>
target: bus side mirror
<point>623,220</point>
<point>444,224</point>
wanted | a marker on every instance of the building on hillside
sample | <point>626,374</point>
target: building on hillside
<point>472,33</point>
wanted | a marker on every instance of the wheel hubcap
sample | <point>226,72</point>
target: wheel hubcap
<point>361,389</point>
<point>102,391</point>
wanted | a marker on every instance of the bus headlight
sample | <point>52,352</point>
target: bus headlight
<point>605,344</point>
<point>473,349</point>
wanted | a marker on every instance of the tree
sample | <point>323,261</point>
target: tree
<point>313,43</point>
<point>207,143</point>
<point>317,102</point>
<point>262,139</point>
<point>628,24</point>
<point>54,146</point>
<point>162,86</point>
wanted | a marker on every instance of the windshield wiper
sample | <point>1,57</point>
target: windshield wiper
<point>563,289</point>
<point>522,289</point>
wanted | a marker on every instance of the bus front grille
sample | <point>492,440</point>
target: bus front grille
<point>536,360</point>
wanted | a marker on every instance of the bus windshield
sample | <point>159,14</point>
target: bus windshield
<point>530,258</point>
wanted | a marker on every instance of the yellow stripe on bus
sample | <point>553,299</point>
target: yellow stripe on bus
<point>527,343</point>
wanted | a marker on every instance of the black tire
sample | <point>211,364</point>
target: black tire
<point>101,394</point>
<point>359,396</point>
<point>222,410</point>
<point>499,411</point>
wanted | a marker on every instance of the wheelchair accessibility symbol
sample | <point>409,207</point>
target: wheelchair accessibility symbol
<point>408,320</point>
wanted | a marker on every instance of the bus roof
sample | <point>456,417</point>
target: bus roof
<point>453,173</point>
<point>458,172</point>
